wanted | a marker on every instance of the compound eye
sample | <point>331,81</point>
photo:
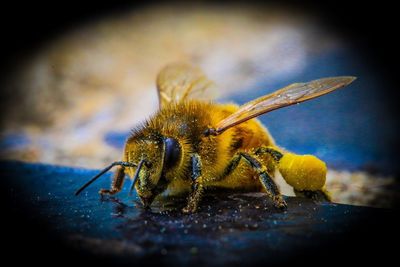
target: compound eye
<point>172,152</point>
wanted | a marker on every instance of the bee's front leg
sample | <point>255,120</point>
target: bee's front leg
<point>197,186</point>
<point>116,184</point>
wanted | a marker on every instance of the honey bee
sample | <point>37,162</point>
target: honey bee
<point>192,145</point>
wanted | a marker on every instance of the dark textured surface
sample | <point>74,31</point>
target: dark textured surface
<point>229,229</point>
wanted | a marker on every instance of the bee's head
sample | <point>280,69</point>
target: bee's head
<point>148,157</point>
<point>154,155</point>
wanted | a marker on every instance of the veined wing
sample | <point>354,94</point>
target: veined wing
<point>289,95</point>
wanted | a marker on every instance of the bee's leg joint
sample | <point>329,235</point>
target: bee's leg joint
<point>275,154</point>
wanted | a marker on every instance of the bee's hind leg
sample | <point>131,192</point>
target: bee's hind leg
<point>320,195</point>
<point>197,187</point>
<point>116,184</point>
<point>265,179</point>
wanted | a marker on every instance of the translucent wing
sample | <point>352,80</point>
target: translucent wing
<point>289,95</point>
<point>180,81</point>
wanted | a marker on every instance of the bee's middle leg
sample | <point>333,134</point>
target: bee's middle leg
<point>265,179</point>
<point>116,184</point>
<point>197,186</point>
